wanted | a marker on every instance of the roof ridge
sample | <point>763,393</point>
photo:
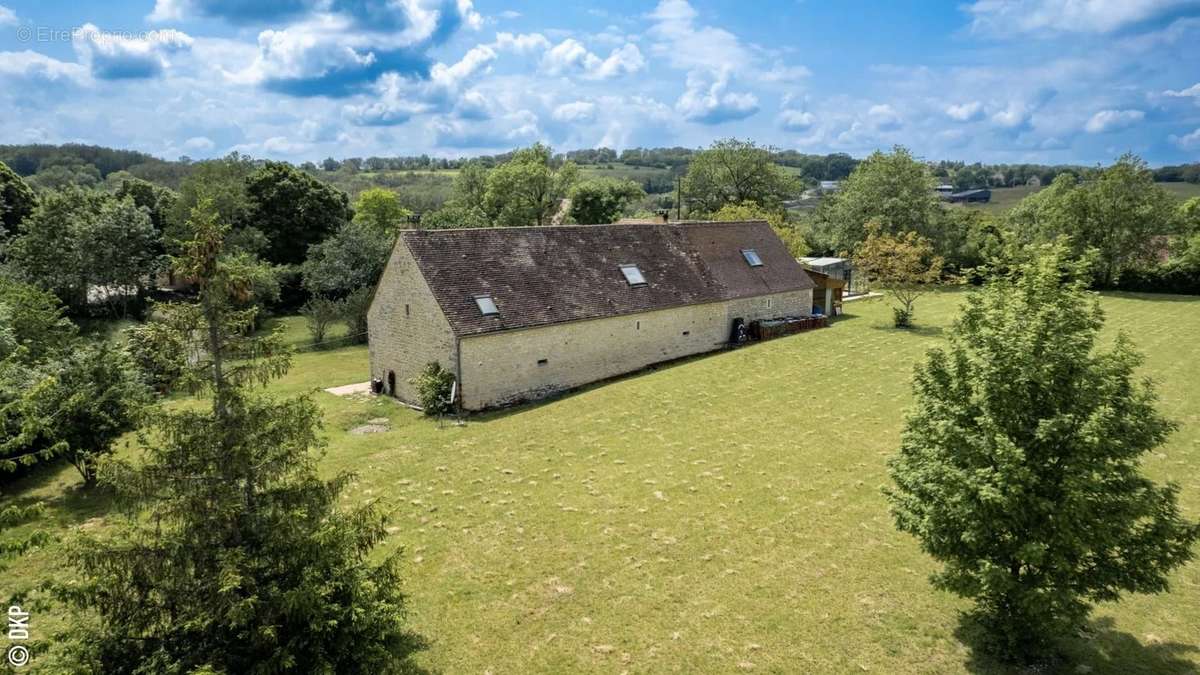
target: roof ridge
<point>579,226</point>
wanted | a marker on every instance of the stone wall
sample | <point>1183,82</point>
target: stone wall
<point>502,368</point>
<point>406,327</point>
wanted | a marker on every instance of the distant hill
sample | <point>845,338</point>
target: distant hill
<point>27,160</point>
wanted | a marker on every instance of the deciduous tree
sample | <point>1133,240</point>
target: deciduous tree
<point>527,190</point>
<point>602,200</point>
<point>1019,467</point>
<point>734,172</point>
<point>1119,214</point>
<point>379,209</point>
<point>904,265</point>
<point>16,200</point>
<point>452,216</point>
<point>470,185</point>
<point>891,189</point>
<point>294,210</point>
<point>352,258</point>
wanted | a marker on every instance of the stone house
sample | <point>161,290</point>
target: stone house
<point>519,313</point>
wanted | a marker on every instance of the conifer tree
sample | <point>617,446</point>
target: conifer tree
<point>236,557</point>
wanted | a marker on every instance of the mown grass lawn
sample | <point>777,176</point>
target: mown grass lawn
<point>719,514</point>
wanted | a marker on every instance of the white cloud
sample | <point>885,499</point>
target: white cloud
<point>114,56</point>
<point>677,37</point>
<point>281,145</point>
<point>474,62</point>
<point>30,66</point>
<point>199,144</point>
<point>1191,92</point>
<point>1187,141</point>
<point>884,117</point>
<point>395,99</point>
<point>7,16</point>
<point>473,105</point>
<point>1113,120</point>
<point>509,14</point>
<point>965,112</point>
<point>522,43</point>
<point>796,120</point>
<point>1005,17</point>
<point>576,111</point>
<point>168,10</point>
<point>339,53</point>
<point>785,74</point>
<point>512,129</point>
<point>570,56</point>
<point>707,101</point>
<point>1014,117</point>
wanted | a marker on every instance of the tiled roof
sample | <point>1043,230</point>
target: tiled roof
<point>546,275</point>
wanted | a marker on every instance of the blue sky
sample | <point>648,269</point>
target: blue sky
<point>1067,81</point>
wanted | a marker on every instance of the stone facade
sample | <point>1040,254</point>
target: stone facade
<point>520,313</point>
<point>505,367</point>
<point>406,328</point>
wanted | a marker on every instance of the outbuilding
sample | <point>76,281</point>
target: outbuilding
<point>519,313</point>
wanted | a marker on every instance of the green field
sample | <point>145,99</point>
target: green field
<point>721,514</point>
<point>1004,199</point>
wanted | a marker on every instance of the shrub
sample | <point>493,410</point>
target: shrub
<point>902,318</point>
<point>157,352</point>
<point>434,386</point>
<point>354,312</point>
<point>319,314</point>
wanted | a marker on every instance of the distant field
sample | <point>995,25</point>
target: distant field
<point>721,514</point>
<point>1183,190</point>
<point>659,178</point>
<point>1004,199</point>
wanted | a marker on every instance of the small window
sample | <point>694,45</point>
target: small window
<point>768,303</point>
<point>687,332</point>
<point>633,275</point>
<point>751,257</point>
<point>542,362</point>
<point>406,312</point>
<point>486,305</point>
<point>637,325</point>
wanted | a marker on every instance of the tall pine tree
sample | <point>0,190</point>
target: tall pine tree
<point>1019,469</point>
<point>236,557</point>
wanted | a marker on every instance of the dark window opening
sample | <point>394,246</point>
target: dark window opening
<point>542,362</point>
<point>406,312</point>
<point>687,332</point>
<point>391,384</point>
<point>638,326</point>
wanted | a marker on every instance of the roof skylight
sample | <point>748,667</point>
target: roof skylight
<point>751,257</point>
<point>633,275</point>
<point>487,306</point>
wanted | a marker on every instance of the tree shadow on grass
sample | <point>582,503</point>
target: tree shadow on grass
<point>918,330</point>
<point>1100,649</point>
<point>69,503</point>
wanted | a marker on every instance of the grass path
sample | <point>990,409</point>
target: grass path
<point>722,514</point>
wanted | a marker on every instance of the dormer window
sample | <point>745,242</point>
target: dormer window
<point>486,305</point>
<point>633,275</point>
<point>751,257</point>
